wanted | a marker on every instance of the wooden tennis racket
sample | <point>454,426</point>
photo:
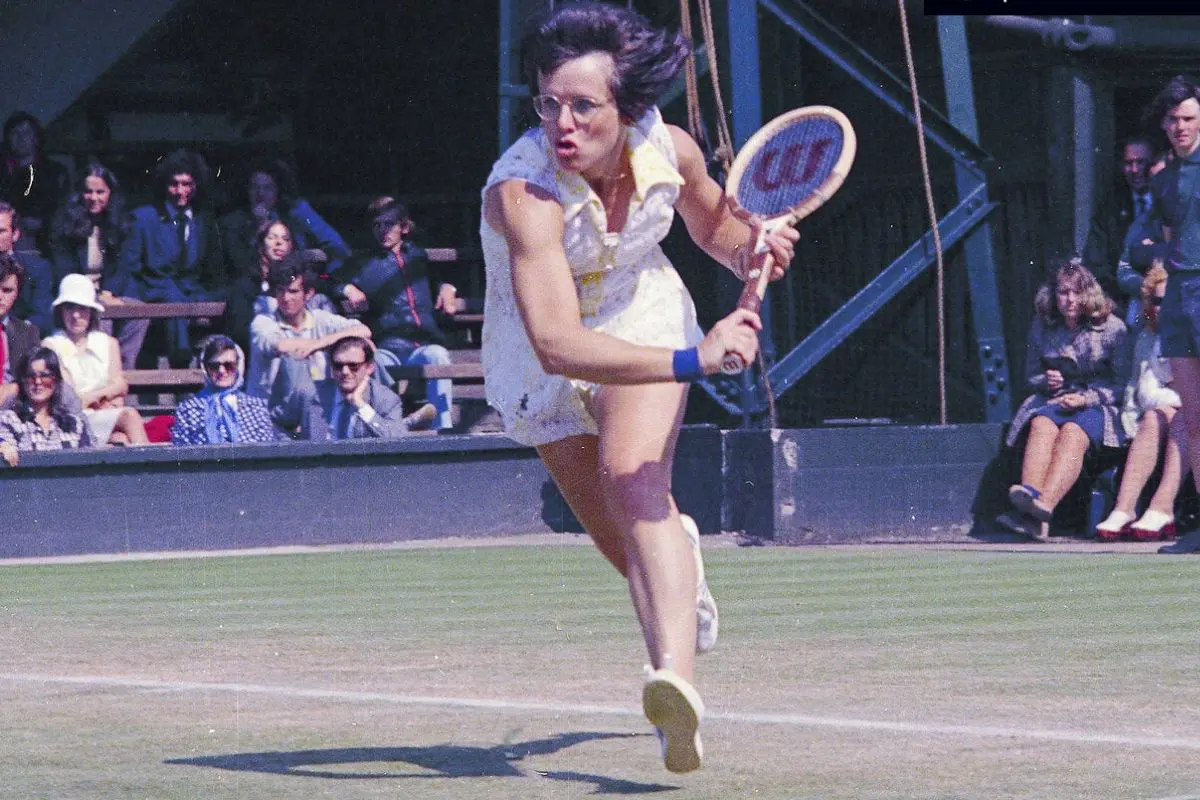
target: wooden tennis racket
<point>784,172</point>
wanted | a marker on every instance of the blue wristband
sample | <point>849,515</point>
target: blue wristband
<point>686,365</point>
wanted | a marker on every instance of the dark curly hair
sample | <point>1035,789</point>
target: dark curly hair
<point>10,266</point>
<point>58,409</point>
<point>287,269</point>
<point>646,60</point>
<point>73,224</point>
<point>182,162</point>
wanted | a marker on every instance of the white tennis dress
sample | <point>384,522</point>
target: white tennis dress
<point>627,288</point>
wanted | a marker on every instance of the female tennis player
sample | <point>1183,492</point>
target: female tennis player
<point>590,338</point>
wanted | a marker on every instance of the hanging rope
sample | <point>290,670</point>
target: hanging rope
<point>724,150</point>
<point>932,211</point>
<point>695,123</point>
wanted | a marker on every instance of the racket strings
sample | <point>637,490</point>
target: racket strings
<point>790,166</point>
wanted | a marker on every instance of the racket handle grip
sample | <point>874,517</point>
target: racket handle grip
<point>757,278</point>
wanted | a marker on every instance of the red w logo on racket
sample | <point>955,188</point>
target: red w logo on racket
<point>791,157</point>
<point>785,172</point>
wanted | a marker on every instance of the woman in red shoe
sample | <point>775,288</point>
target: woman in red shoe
<point>1149,410</point>
<point>1077,361</point>
<point>590,337</point>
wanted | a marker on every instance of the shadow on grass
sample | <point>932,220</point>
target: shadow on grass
<point>435,761</point>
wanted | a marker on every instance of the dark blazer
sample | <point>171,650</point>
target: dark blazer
<point>1106,235</point>
<point>21,337</point>
<point>151,254</point>
<point>389,422</point>
<point>38,292</point>
<point>70,256</point>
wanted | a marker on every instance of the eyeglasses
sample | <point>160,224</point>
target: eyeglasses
<point>1155,300</point>
<point>353,366</point>
<point>217,366</point>
<point>549,107</point>
<point>34,377</point>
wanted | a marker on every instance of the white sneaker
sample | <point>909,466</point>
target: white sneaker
<point>707,622</point>
<point>675,709</point>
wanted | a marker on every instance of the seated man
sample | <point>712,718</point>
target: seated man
<point>391,290</point>
<point>173,251</point>
<point>37,284</point>
<point>351,405</point>
<point>20,337</point>
<point>287,346</point>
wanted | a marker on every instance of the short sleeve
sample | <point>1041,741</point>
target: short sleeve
<point>527,160</point>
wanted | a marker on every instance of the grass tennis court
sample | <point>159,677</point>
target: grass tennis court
<point>514,672</point>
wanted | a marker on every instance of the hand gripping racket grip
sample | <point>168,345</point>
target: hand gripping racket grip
<point>757,278</point>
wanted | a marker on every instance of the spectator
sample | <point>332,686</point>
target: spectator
<point>351,405</point>
<point>1116,211</point>
<point>29,181</point>
<point>250,293</point>
<point>391,289</point>
<point>37,288</point>
<point>41,419</point>
<point>20,337</point>
<point>174,249</point>
<point>1148,410</point>
<point>272,194</point>
<point>221,412</point>
<point>293,337</point>
<point>86,238</point>
<point>1077,364</point>
<point>1144,244</point>
<point>91,364</point>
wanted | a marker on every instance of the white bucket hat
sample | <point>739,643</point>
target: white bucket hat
<point>78,289</point>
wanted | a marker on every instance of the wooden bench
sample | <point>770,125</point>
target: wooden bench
<point>465,371</point>
<point>469,311</point>
<point>164,311</point>
<point>165,380</point>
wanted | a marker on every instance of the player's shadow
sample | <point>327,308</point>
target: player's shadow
<point>435,761</point>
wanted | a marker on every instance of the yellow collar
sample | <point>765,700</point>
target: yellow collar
<point>650,168</point>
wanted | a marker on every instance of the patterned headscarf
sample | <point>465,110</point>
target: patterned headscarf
<point>219,411</point>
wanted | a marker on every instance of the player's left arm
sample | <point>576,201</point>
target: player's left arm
<point>712,224</point>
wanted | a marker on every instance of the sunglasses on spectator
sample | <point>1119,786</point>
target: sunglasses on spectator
<point>353,366</point>
<point>34,377</point>
<point>1155,300</point>
<point>217,366</point>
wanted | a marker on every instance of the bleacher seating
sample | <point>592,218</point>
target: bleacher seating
<point>465,371</point>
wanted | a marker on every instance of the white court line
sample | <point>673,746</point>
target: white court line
<point>789,720</point>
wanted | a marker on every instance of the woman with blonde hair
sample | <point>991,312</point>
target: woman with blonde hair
<point>1077,361</point>
<point>1149,411</point>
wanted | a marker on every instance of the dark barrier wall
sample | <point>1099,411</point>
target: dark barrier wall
<point>792,486</point>
<point>831,485</point>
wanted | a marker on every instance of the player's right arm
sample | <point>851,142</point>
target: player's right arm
<point>531,221</point>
